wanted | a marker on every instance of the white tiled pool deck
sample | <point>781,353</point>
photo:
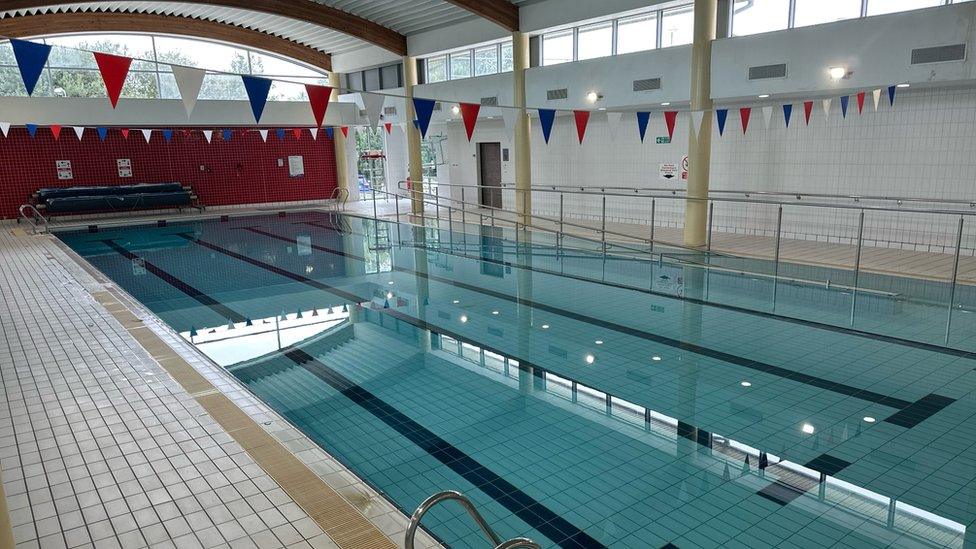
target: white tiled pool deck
<point>101,447</point>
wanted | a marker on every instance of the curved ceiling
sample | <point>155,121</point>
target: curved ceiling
<point>329,26</point>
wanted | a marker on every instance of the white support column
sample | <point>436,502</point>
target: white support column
<point>414,157</point>
<point>342,166</point>
<point>700,143</point>
<point>523,141</point>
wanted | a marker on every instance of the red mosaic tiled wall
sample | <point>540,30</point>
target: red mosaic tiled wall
<point>243,170</point>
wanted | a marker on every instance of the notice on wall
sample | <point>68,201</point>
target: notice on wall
<point>296,166</point>
<point>64,169</point>
<point>125,167</point>
<point>668,170</point>
<point>684,168</point>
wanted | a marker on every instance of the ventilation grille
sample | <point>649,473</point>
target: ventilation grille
<point>939,54</point>
<point>647,84</point>
<point>553,95</point>
<point>389,111</point>
<point>489,101</point>
<point>767,71</point>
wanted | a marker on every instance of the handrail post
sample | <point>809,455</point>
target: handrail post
<point>857,264</point>
<point>779,233</point>
<point>653,209</point>
<point>374,205</point>
<point>603,226</point>
<point>437,202</point>
<point>464,207</point>
<point>711,217</point>
<point>955,277</point>
<point>560,234</point>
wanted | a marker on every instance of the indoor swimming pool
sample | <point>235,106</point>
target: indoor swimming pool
<point>578,399</point>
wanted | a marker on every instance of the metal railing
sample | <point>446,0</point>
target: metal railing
<point>35,214</point>
<point>451,495</point>
<point>340,196</point>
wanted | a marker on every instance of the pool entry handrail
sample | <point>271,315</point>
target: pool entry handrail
<point>453,495</point>
<point>35,214</point>
<point>339,197</point>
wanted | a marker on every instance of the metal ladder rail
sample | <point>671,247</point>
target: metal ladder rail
<point>340,195</point>
<point>35,214</point>
<point>463,500</point>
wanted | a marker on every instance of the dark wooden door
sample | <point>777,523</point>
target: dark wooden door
<point>490,168</point>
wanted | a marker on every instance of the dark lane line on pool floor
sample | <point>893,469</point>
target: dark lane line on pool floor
<point>533,513</point>
<point>919,413</point>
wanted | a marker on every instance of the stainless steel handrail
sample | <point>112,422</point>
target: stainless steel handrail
<point>340,195</point>
<point>463,500</point>
<point>30,219</point>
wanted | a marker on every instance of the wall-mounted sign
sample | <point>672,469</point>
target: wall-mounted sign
<point>64,169</point>
<point>296,166</point>
<point>668,170</point>
<point>125,167</point>
<point>684,168</point>
<point>663,140</point>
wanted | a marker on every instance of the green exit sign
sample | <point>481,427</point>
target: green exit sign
<point>663,140</point>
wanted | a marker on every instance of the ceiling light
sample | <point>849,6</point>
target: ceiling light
<point>494,312</point>
<point>656,358</point>
<point>463,319</point>
<point>599,342</point>
<point>836,73</point>
<point>590,359</point>
<point>455,109</point>
<point>746,384</point>
<point>592,96</point>
<point>763,95</point>
<point>903,85</point>
<point>456,301</point>
<point>389,295</point>
<point>390,283</point>
<point>869,419</point>
<point>545,326</point>
<point>665,104</point>
<point>807,428</point>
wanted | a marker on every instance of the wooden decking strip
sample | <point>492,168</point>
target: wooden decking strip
<point>338,519</point>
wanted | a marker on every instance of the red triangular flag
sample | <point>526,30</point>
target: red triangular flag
<point>318,98</point>
<point>669,118</point>
<point>469,113</point>
<point>582,119</point>
<point>744,114</point>
<point>860,102</point>
<point>125,133</point>
<point>114,69</point>
<point>344,130</point>
<point>389,128</point>
<point>807,109</point>
<point>56,131</point>
<point>297,132</point>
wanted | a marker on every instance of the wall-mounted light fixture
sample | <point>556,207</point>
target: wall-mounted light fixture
<point>839,73</point>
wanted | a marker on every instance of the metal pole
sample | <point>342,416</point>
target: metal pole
<point>396,202</point>
<point>711,213</point>
<point>779,227</point>
<point>437,203</point>
<point>560,235</point>
<point>493,217</point>
<point>603,227</point>
<point>955,276</point>
<point>653,209</point>
<point>464,207</point>
<point>374,205</point>
<point>857,264</point>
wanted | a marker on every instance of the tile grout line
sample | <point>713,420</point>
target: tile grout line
<point>346,526</point>
<point>6,529</point>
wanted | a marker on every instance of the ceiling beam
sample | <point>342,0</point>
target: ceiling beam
<point>302,10</point>
<point>27,26</point>
<point>501,12</point>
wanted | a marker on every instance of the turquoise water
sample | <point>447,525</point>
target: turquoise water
<point>575,412</point>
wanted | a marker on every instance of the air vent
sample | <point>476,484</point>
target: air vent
<point>647,84</point>
<point>437,106</point>
<point>939,54</point>
<point>362,112</point>
<point>489,101</point>
<point>762,72</point>
<point>389,111</point>
<point>553,95</point>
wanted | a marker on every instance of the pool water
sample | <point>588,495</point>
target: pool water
<point>574,412</point>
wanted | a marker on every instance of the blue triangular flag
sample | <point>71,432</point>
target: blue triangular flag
<point>891,95</point>
<point>843,105</point>
<point>722,115</point>
<point>280,132</point>
<point>227,134</point>
<point>330,132</point>
<point>31,58</point>
<point>257,93</point>
<point>102,133</point>
<point>642,119</point>
<point>787,113</point>
<point>31,129</point>
<point>546,118</point>
<point>167,135</point>
<point>424,109</point>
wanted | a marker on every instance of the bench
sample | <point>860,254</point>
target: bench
<point>114,198</point>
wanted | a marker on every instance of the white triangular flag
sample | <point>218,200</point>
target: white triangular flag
<point>147,134</point>
<point>767,113</point>
<point>877,97</point>
<point>79,131</point>
<point>510,117</point>
<point>826,108</point>
<point>264,135</point>
<point>208,134</point>
<point>4,127</point>
<point>314,132</point>
<point>696,121</point>
<point>189,81</point>
<point>373,103</point>
<point>613,123</point>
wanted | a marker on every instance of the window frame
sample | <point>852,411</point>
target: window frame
<point>791,23</point>
<point>470,52</point>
